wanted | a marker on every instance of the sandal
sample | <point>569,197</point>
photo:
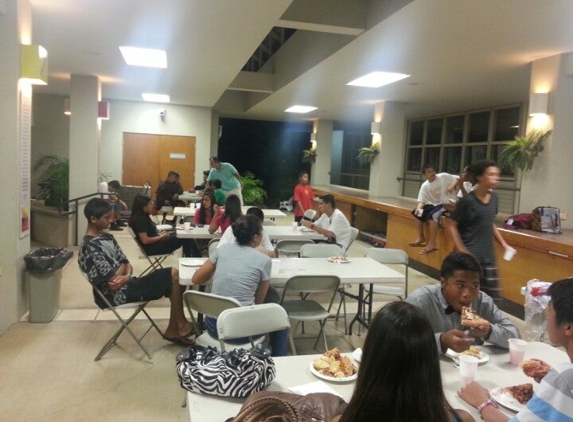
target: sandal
<point>181,341</point>
<point>426,251</point>
<point>417,244</point>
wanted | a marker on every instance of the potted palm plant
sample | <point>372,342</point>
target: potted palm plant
<point>522,151</point>
<point>309,155</point>
<point>253,192</point>
<point>366,155</point>
<point>54,181</point>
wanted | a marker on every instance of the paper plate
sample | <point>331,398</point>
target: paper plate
<point>505,399</point>
<point>484,358</point>
<point>341,259</point>
<point>192,262</point>
<point>331,379</point>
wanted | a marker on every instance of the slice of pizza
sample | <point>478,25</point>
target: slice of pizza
<point>470,318</point>
<point>535,368</point>
<point>522,392</point>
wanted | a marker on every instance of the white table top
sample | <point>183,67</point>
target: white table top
<point>293,371</point>
<point>190,211</point>
<point>274,232</point>
<point>357,271</point>
<point>190,197</point>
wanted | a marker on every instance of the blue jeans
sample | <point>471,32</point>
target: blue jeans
<point>278,339</point>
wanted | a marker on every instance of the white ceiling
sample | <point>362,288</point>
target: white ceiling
<point>462,54</point>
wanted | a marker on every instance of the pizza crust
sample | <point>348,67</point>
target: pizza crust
<point>471,319</point>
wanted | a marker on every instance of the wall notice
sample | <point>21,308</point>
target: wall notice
<point>25,142</point>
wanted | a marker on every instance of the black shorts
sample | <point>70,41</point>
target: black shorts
<point>150,287</point>
<point>427,212</point>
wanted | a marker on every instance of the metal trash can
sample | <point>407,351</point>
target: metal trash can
<point>44,278</point>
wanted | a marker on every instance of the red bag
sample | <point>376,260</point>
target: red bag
<point>519,221</point>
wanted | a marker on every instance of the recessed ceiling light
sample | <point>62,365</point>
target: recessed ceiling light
<point>135,56</point>
<point>300,109</point>
<point>156,98</point>
<point>378,79</point>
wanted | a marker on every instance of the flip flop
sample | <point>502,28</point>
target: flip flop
<point>417,244</point>
<point>427,251</point>
<point>181,341</point>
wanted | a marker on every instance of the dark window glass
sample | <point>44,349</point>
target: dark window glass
<point>433,158</point>
<point>455,129</point>
<point>478,128</point>
<point>495,151</point>
<point>475,154</point>
<point>416,133</point>
<point>414,159</point>
<point>506,124</point>
<point>434,132</point>
<point>452,160</point>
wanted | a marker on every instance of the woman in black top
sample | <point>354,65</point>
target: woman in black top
<point>152,241</point>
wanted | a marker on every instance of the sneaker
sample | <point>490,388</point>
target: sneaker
<point>115,228</point>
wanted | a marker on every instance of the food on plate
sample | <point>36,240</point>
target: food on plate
<point>333,364</point>
<point>535,368</point>
<point>339,258</point>
<point>522,392</point>
<point>472,351</point>
<point>470,318</point>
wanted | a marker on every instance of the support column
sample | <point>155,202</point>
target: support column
<point>15,28</point>
<point>387,166</point>
<point>85,137</point>
<point>321,168</point>
<point>549,181</point>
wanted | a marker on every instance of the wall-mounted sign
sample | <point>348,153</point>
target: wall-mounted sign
<point>177,156</point>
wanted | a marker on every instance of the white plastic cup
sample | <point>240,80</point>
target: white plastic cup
<point>509,254</point>
<point>294,226</point>
<point>276,266</point>
<point>187,226</point>
<point>197,192</point>
<point>517,348</point>
<point>468,368</point>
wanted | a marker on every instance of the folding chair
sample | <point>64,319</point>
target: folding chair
<point>155,261</point>
<point>269,223</point>
<point>303,310</point>
<point>309,215</point>
<point>388,256</point>
<point>139,307</point>
<point>291,247</point>
<point>212,247</point>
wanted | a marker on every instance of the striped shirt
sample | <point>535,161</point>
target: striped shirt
<point>553,400</point>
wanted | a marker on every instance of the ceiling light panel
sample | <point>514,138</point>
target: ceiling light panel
<point>300,109</point>
<point>155,98</point>
<point>147,57</point>
<point>378,79</point>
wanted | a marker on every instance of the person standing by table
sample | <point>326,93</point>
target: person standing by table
<point>552,401</point>
<point>230,178</point>
<point>303,196</point>
<point>332,223</point>
<point>472,225</point>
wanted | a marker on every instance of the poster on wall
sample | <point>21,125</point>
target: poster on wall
<point>24,158</point>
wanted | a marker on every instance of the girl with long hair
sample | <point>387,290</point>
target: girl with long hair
<point>399,376</point>
<point>151,240</point>
<point>208,210</point>
<point>229,216</point>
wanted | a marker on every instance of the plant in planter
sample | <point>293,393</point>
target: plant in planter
<point>309,155</point>
<point>521,152</point>
<point>366,155</point>
<point>253,193</point>
<point>54,181</point>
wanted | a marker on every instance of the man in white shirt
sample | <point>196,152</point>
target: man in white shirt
<point>434,192</point>
<point>332,223</point>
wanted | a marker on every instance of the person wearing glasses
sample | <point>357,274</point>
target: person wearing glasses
<point>442,304</point>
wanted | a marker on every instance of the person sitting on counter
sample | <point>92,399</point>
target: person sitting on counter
<point>332,223</point>
<point>552,401</point>
<point>460,287</point>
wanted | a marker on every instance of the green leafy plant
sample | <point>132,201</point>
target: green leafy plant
<point>253,192</point>
<point>309,155</point>
<point>522,151</point>
<point>54,181</point>
<point>366,155</point>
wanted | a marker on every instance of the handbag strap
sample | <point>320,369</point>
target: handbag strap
<point>272,408</point>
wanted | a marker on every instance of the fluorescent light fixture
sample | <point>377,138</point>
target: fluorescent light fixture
<point>378,79</point>
<point>538,103</point>
<point>34,64</point>
<point>135,56</point>
<point>155,98</point>
<point>300,109</point>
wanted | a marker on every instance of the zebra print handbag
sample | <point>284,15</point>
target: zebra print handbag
<point>238,373</point>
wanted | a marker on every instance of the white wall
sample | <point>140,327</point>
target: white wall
<point>126,116</point>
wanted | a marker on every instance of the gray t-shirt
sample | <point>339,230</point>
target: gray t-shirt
<point>475,224</point>
<point>239,270</point>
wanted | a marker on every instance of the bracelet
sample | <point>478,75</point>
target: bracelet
<point>485,404</point>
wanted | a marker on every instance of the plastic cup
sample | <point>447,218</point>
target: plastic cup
<point>276,266</point>
<point>509,254</point>
<point>294,226</point>
<point>197,192</point>
<point>468,368</point>
<point>516,350</point>
<point>187,226</point>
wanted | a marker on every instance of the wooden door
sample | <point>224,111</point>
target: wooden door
<point>148,158</point>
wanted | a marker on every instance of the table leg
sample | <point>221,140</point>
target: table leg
<point>359,318</point>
